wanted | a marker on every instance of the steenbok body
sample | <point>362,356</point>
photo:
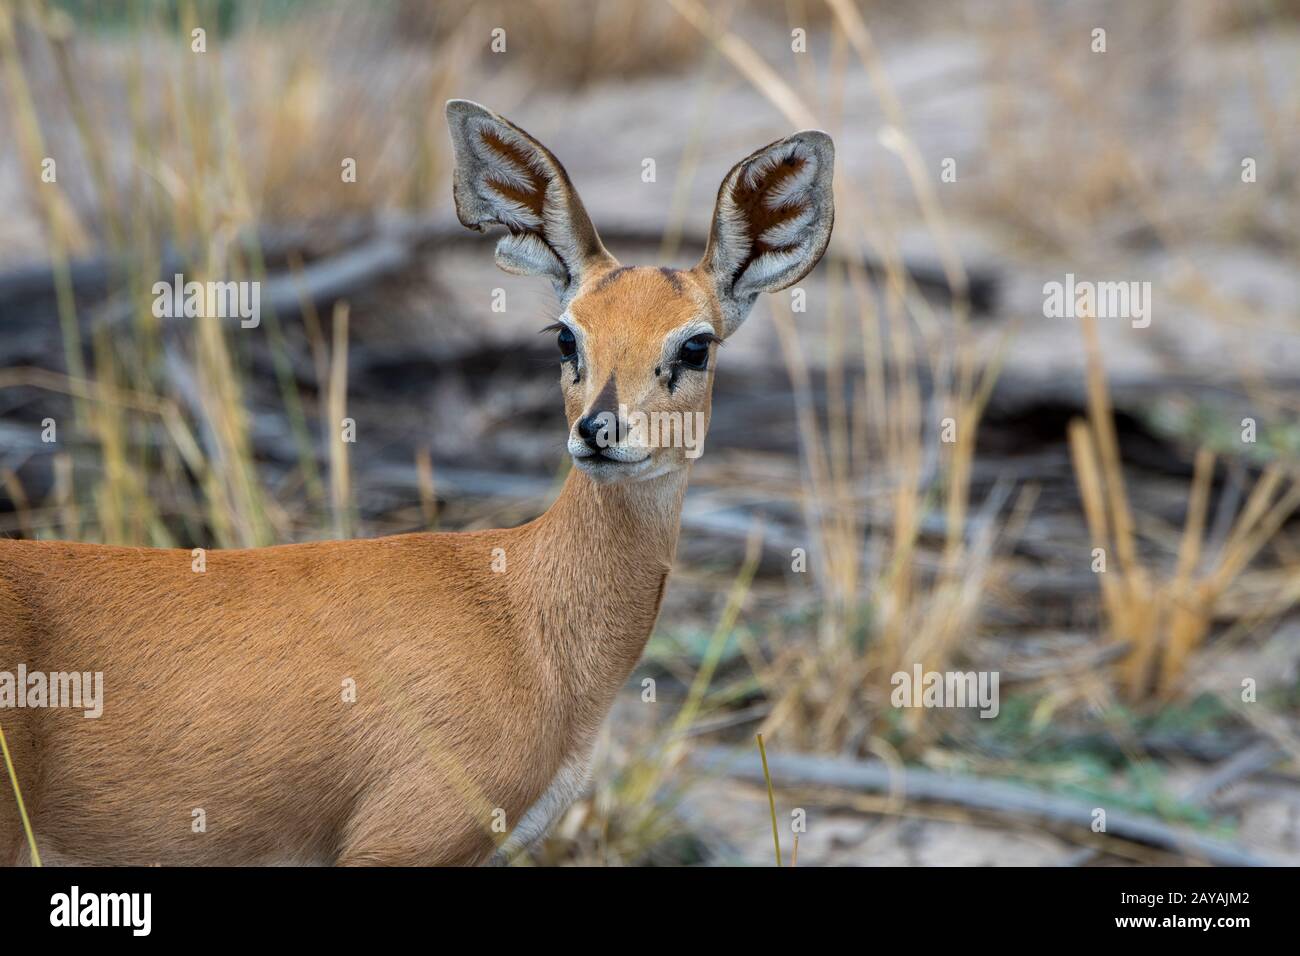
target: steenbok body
<point>402,700</point>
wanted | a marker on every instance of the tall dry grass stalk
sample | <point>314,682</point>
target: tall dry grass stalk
<point>338,442</point>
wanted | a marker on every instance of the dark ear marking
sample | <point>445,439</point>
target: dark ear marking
<point>761,218</point>
<point>505,177</point>
<point>772,222</point>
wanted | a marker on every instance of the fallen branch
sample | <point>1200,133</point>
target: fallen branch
<point>994,796</point>
<point>1235,769</point>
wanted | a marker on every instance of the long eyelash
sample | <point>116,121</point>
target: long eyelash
<point>560,327</point>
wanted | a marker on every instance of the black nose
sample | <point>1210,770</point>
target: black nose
<point>599,430</point>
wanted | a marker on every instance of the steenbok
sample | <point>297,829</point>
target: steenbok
<point>409,699</point>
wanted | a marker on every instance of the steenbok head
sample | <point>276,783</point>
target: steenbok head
<point>638,344</point>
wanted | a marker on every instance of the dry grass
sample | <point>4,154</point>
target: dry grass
<point>1163,619</point>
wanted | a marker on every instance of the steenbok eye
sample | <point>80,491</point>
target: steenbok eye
<point>568,344</point>
<point>567,341</point>
<point>695,351</point>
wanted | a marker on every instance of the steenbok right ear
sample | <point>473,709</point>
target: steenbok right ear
<point>505,177</point>
<point>772,222</point>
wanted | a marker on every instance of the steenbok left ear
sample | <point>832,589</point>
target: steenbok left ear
<point>505,177</point>
<point>772,222</point>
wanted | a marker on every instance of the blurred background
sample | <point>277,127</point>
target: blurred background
<point>908,463</point>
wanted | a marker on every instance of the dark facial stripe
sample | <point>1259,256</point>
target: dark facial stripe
<point>607,400</point>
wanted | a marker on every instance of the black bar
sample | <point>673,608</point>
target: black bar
<point>522,904</point>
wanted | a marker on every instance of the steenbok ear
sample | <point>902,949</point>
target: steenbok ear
<point>505,177</point>
<point>772,222</point>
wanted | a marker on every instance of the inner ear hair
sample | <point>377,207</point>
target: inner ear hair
<point>506,177</point>
<point>773,220</point>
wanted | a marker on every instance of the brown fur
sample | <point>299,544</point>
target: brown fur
<point>223,689</point>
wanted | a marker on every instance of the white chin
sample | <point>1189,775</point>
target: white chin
<point>606,470</point>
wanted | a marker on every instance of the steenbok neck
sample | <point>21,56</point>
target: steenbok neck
<point>595,568</point>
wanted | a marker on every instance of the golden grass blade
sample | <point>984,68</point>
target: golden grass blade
<point>18,796</point>
<point>1255,508</point>
<point>1189,550</point>
<point>65,497</point>
<point>771,799</point>
<point>1186,609</point>
<point>340,475</point>
<point>1083,453</point>
<point>1102,419</point>
<point>1250,543</point>
<point>427,486</point>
